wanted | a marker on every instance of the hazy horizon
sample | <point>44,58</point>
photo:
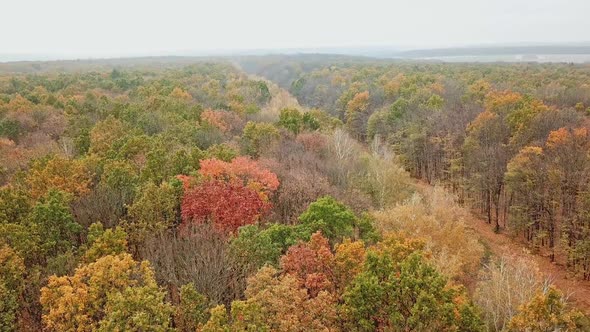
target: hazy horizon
<point>89,29</point>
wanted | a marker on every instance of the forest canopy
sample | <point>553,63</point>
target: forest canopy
<point>312,193</point>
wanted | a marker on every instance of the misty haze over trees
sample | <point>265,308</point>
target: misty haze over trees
<point>229,166</point>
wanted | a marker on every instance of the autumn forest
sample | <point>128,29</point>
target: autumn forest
<point>294,193</point>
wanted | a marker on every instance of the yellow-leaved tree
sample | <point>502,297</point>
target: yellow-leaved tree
<point>114,293</point>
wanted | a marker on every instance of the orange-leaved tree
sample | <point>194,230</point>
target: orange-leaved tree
<point>241,169</point>
<point>232,194</point>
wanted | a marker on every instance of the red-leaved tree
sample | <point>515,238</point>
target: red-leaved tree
<point>228,205</point>
<point>232,194</point>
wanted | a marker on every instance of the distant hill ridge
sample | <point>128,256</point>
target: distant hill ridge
<point>496,50</point>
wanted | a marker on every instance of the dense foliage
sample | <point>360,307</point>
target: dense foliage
<point>185,195</point>
<point>511,140</point>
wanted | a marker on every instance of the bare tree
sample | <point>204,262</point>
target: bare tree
<point>505,285</point>
<point>200,257</point>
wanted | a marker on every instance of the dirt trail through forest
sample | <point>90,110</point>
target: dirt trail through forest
<point>500,244</point>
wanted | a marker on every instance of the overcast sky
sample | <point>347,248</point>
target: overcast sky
<point>132,27</point>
